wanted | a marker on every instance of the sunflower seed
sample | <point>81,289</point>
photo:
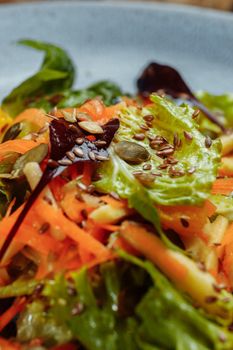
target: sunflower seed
<point>65,162</point>
<point>78,152</point>
<point>100,143</point>
<point>92,155</point>
<point>70,155</point>
<point>79,140</point>
<point>101,158</point>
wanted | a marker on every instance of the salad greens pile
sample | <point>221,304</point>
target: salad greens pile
<point>157,153</point>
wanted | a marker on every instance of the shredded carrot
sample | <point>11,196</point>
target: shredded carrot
<point>33,115</point>
<point>10,313</point>
<point>9,345</point>
<point>95,108</point>
<point>56,218</point>
<point>19,146</point>
<point>187,220</point>
<point>10,207</point>
<point>73,207</point>
<point>223,186</point>
<point>151,246</point>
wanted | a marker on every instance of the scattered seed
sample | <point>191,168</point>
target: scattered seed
<point>45,227</point>
<point>101,158</point>
<point>43,129</point>
<point>65,162</point>
<point>83,116</point>
<point>144,127</point>
<point>70,155</point>
<point>139,172</point>
<point>91,127</point>
<point>139,137</point>
<point>132,152</point>
<point>156,174</point>
<point>188,136</point>
<point>90,188</point>
<point>149,124</point>
<point>92,155</point>
<point>82,186</point>
<point>79,140</point>
<point>144,179</point>
<point>78,152</point>
<point>208,142</point>
<point>166,146</point>
<point>211,299</point>
<point>175,139</point>
<point>148,118</point>
<point>38,289</point>
<point>48,200</point>
<point>196,113</point>
<point>77,309</point>
<point>114,195</point>
<point>172,160</point>
<point>165,152</point>
<point>184,222</point>
<point>147,167</point>
<point>175,172</point>
<point>163,166</point>
<point>100,143</point>
<point>52,163</point>
<point>151,137</point>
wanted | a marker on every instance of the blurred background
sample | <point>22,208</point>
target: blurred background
<point>217,4</point>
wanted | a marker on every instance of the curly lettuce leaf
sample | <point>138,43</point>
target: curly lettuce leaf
<point>55,74</point>
<point>169,119</point>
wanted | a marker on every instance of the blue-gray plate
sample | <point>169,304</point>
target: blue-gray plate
<point>116,40</point>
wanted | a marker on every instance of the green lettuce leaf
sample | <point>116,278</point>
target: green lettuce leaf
<point>222,105</point>
<point>56,74</point>
<point>224,205</point>
<point>191,188</point>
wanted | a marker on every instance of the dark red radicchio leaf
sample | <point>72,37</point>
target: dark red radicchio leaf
<point>63,137</point>
<point>157,77</point>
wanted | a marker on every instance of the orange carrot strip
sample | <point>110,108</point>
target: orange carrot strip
<point>56,218</point>
<point>10,206</point>
<point>9,345</point>
<point>20,146</point>
<point>87,173</point>
<point>151,247</point>
<point>35,116</point>
<point>223,186</point>
<point>10,313</point>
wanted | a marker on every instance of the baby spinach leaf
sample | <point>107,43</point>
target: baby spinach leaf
<point>55,74</point>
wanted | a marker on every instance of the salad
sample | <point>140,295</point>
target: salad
<point>116,210</point>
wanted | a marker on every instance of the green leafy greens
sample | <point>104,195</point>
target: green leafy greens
<point>191,188</point>
<point>56,74</point>
<point>102,312</point>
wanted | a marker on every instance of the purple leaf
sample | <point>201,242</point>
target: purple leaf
<point>62,140</point>
<point>157,77</point>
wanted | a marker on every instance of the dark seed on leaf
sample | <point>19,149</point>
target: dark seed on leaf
<point>188,136</point>
<point>131,152</point>
<point>196,113</point>
<point>139,137</point>
<point>208,142</point>
<point>65,162</point>
<point>144,127</point>
<point>147,167</point>
<point>148,118</point>
<point>145,179</point>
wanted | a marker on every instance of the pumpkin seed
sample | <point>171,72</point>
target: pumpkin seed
<point>145,179</point>
<point>132,152</point>
<point>13,132</point>
<point>36,154</point>
<point>70,117</point>
<point>91,127</point>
